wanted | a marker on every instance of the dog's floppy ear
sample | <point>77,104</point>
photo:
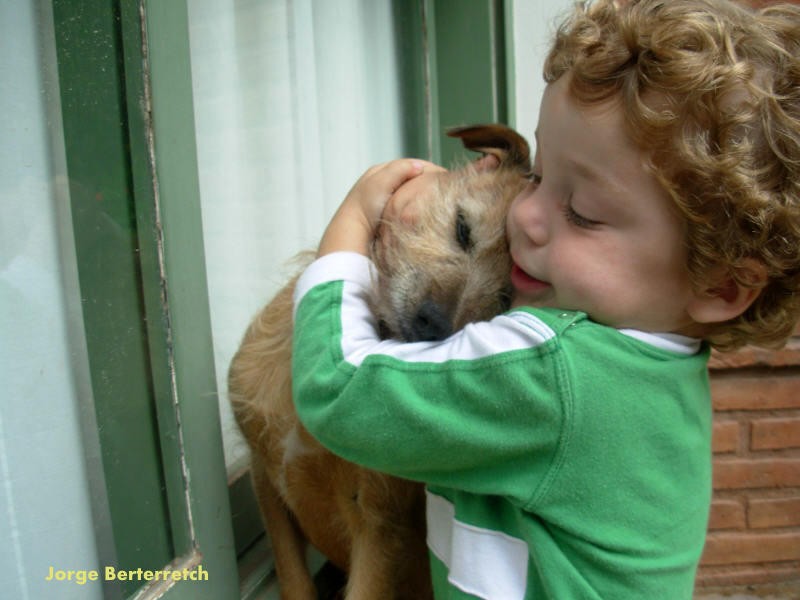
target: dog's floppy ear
<point>510,148</point>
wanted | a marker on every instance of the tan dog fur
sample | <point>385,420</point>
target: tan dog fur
<point>450,268</point>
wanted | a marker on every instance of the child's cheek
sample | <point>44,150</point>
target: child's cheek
<point>511,218</point>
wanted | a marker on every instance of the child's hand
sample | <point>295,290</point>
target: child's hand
<point>353,226</point>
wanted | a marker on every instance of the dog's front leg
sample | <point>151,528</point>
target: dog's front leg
<point>389,558</point>
<point>288,542</point>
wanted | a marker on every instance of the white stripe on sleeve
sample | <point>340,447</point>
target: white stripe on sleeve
<point>485,563</point>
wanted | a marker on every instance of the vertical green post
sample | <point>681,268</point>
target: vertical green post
<point>126,94</point>
<point>91,74</point>
<point>454,70</point>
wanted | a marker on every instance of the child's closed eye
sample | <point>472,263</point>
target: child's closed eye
<point>572,216</point>
<point>575,218</point>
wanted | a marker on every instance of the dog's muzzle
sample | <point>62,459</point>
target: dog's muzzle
<point>430,323</point>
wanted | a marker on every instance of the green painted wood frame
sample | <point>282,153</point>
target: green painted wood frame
<point>456,69</point>
<point>125,85</point>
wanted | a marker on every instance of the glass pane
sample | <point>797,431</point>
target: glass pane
<point>293,101</point>
<point>53,509</point>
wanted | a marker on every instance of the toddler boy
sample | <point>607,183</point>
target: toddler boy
<point>566,444</point>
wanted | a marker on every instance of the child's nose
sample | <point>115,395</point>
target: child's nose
<point>530,215</point>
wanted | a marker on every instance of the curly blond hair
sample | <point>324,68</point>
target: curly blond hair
<point>711,94</point>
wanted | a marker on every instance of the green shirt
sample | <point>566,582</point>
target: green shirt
<point>563,459</point>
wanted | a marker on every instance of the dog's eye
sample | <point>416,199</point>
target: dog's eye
<point>463,232</point>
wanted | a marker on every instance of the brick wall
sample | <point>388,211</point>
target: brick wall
<point>753,541</point>
<point>754,533</point>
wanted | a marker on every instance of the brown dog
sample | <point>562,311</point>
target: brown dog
<point>448,269</point>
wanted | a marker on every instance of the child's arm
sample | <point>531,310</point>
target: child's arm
<point>353,226</point>
<point>418,410</point>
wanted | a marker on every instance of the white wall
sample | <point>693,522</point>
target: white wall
<point>534,23</point>
<point>45,503</point>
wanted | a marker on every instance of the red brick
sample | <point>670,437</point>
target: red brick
<point>743,473</point>
<point>749,356</point>
<point>773,512</point>
<point>727,514</point>
<point>755,393</point>
<point>746,548</point>
<point>785,575</point>
<point>775,434</point>
<point>725,437</point>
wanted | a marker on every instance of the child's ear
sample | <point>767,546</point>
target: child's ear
<point>729,293</point>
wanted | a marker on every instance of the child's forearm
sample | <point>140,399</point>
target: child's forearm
<point>348,231</point>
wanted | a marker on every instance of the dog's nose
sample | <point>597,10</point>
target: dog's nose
<point>431,323</point>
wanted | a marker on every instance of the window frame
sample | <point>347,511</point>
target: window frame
<point>125,85</point>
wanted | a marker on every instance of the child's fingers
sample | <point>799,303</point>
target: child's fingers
<point>383,178</point>
<point>353,225</point>
<point>379,182</point>
<point>391,175</point>
<point>403,206</point>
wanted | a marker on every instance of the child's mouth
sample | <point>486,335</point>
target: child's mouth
<point>524,283</point>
